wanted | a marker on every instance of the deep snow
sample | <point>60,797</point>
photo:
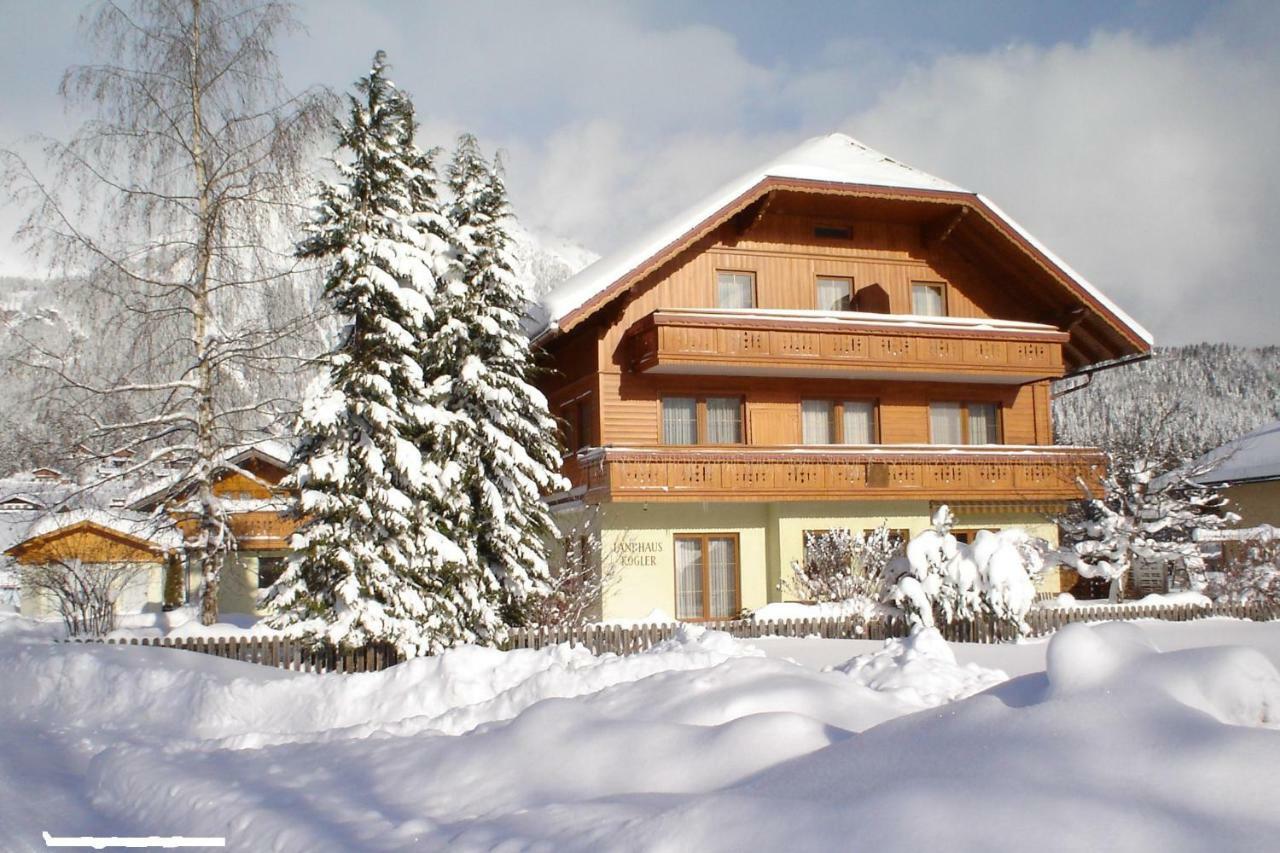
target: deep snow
<point>704,742</point>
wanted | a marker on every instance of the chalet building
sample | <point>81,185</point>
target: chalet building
<point>835,340</point>
<point>121,526</point>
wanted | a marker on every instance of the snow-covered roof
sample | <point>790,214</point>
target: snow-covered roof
<point>133,525</point>
<point>1251,457</point>
<point>270,450</point>
<point>834,158</point>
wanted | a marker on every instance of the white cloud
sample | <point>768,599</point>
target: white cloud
<point>1151,168</point>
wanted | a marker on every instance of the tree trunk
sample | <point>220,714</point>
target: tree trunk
<point>212,531</point>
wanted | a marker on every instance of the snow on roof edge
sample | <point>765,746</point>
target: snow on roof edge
<point>1084,283</point>
<point>836,158</point>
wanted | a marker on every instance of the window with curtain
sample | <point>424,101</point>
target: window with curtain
<point>835,294</point>
<point>927,300</point>
<point>945,423</point>
<point>735,290</point>
<point>707,576</point>
<point>858,422</point>
<point>724,420</point>
<point>815,421</point>
<point>982,423</point>
<point>689,598</point>
<point>679,420</point>
<point>722,574</point>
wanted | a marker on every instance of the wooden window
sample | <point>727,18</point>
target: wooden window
<point>735,289</point>
<point>857,422</point>
<point>270,569</point>
<point>724,420</point>
<point>964,423</point>
<point>679,420</point>
<point>578,420</point>
<point>982,419</point>
<point>707,576</point>
<point>966,534</point>
<point>928,300</point>
<point>838,421</point>
<point>702,420</point>
<point>816,418</point>
<point>835,294</point>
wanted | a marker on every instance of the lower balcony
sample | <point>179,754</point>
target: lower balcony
<point>897,472</point>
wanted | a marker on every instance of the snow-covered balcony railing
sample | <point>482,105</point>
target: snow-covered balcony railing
<point>931,472</point>
<point>750,342</point>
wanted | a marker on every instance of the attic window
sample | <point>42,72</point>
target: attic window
<point>833,232</point>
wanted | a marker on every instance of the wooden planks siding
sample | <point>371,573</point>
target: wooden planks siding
<point>630,412</point>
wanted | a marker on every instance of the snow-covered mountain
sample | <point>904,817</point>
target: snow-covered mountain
<point>544,261</point>
<point>1196,397</point>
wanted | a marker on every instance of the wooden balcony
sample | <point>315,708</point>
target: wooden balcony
<point>894,472</point>
<point>258,530</point>
<point>845,345</point>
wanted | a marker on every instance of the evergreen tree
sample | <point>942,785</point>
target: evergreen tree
<point>373,561</point>
<point>504,438</point>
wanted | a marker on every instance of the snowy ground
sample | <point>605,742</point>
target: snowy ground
<point>702,743</point>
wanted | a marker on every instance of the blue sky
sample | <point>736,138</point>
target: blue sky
<point>1136,139</point>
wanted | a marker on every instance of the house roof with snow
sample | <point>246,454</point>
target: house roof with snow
<point>273,453</point>
<point>839,165</point>
<point>124,536</point>
<point>1251,458</point>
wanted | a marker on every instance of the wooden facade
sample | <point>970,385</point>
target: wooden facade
<point>1005,336</point>
<point>88,542</point>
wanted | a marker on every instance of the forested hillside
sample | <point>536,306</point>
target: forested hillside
<point>1194,397</point>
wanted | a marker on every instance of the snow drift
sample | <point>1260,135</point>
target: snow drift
<point>701,743</point>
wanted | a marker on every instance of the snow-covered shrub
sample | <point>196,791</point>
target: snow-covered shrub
<point>1148,513</point>
<point>839,565</point>
<point>940,580</point>
<point>84,594</point>
<point>581,576</point>
<point>1249,572</point>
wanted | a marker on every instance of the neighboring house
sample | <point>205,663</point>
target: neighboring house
<point>835,340</point>
<point>1247,470</point>
<point>248,484</point>
<point>145,522</point>
<point>128,541</point>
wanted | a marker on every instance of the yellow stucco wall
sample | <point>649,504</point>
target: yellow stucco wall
<point>637,546</point>
<point>144,592</point>
<point>1255,503</point>
<point>637,542</point>
<point>238,592</point>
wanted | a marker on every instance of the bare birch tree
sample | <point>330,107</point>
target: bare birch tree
<point>177,202</point>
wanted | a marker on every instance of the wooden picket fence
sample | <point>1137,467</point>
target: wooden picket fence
<point>625,640</point>
<point>631,639</point>
<point>272,651</point>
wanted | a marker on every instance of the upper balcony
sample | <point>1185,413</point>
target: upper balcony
<point>892,472</point>
<point>750,342</point>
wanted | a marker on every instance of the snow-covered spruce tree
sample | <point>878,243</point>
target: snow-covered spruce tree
<point>373,562</point>
<point>504,439</point>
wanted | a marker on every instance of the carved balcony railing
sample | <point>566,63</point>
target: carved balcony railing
<point>849,344</point>
<point>896,472</point>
